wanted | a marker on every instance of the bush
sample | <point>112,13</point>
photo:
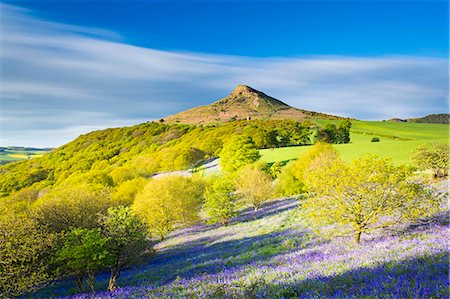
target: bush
<point>375,139</point>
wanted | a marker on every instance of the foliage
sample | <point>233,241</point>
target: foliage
<point>220,201</point>
<point>271,254</point>
<point>83,253</point>
<point>331,133</point>
<point>24,253</point>
<point>434,156</point>
<point>291,180</point>
<point>237,152</point>
<point>127,239</point>
<point>169,202</point>
<point>362,196</point>
<point>110,157</point>
<point>254,185</point>
<point>126,192</point>
<point>72,206</point>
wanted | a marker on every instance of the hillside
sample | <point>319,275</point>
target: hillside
<point>442,118</point>
<point>397,141</point>
<point>244,102</point>
<point>113,156</point>
<point>272,254</point>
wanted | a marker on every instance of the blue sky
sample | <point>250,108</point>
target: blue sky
<point>69,67</point>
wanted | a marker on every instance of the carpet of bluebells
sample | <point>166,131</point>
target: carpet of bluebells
<point>270,254</point>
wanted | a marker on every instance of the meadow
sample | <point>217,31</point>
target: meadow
<point>272,254</point>
<point>13,154</point>
<point>397,141</point>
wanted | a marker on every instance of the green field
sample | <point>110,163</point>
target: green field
<point>397,140</point>
<point>10,155</point>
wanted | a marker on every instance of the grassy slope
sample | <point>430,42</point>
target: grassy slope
<point>397,140</point>
<point>271,254</point>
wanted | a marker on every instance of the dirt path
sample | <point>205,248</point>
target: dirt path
<point>208,168</point>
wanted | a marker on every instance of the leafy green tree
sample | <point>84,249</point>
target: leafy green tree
<point>254,185</point>
<point>434,156</point>
<point>343,131</point>
<point>331,133</point>
<point>367,194</point>
<point>291,180</point>
<point>237,152</point>
<point>220,201</point>
<point>83,253</point>
<point>127,239</point>
<point>72,206</point>
<point>127,191</point>
<point>169,202</point>
<point>25,252</point>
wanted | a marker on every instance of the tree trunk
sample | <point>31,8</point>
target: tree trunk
<point>91,280</point>
<point>112,285</point>
<point>358,236</point>
<point>161,237</point>
<point>79,281</point>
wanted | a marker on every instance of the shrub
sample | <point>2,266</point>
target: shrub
<point>375,139</point>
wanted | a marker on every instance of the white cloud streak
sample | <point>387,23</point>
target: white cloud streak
<point>58,81</point>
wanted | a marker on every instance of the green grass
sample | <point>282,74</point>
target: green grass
<point>397,141</point>
<point>15,155</point>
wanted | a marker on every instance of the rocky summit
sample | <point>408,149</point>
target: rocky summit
<point>244,102</point>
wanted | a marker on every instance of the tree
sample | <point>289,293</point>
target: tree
<point>331,133</point>
<point>367,194</point>
<point>25,251</point>
<point>220,201</point>
<point>72,206</point>
<point>434,156</point>
<point>83,253</point>
<point>254,185</point>
<point>291,180</point>
<point>127,239</point>
<point>237,152</point>
<point>127,191</point>
<point>169,202</point>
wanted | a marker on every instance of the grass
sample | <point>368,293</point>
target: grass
<point>272,254</point>
<point>10,155</point>
<point>397,141</point>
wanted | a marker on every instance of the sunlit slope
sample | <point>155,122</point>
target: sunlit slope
<point>397,140</point>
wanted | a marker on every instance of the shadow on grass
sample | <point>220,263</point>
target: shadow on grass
<point>411,278</point>
<point>198,256</point>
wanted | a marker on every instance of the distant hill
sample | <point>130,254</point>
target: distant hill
<point>244,102</point>
<point>442,118</point>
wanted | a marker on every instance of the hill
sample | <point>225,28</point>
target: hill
<point>272,254</point>
<point>244,102</point>
<point>442,118</point>
<point>397,141</point>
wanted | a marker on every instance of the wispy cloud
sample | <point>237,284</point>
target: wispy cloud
<point>59,81</point>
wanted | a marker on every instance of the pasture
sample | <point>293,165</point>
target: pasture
<point>397,141</point>
<point>15,154</point>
